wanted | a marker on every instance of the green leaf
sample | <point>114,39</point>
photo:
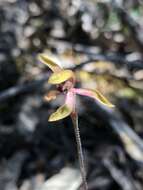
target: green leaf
<point>61,113</point>
<point>49,62</point>
<point>61,76</point>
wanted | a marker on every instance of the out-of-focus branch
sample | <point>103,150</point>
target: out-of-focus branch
<point>132,142</point>
<point>33,85</point>
<point>114,58</point>
<point>23,88</point>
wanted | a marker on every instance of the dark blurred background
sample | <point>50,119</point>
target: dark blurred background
<point>103,42</point>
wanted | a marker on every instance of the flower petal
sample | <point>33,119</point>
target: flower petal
<point>49,62</point>
<point>61,113</point>
<point>93,94</point>
<point>61,76</point>
<point>51,95</point>
<point>66,109</point>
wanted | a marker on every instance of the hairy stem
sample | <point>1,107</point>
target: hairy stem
<point>79,150</point>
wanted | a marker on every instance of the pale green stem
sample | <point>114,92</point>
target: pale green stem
<point>79,149</point>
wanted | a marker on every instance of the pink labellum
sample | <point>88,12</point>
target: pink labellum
<point>70,100</point>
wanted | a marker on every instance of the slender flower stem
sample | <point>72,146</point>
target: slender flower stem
<point>79,149</point>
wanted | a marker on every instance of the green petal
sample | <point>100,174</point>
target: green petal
<point>93,94</point>
<point>49,62</point>
<point>61,76</point>
<point>61,113</point>
<point>98,96</point>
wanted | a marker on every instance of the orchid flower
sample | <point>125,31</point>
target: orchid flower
<point>65,80</point>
